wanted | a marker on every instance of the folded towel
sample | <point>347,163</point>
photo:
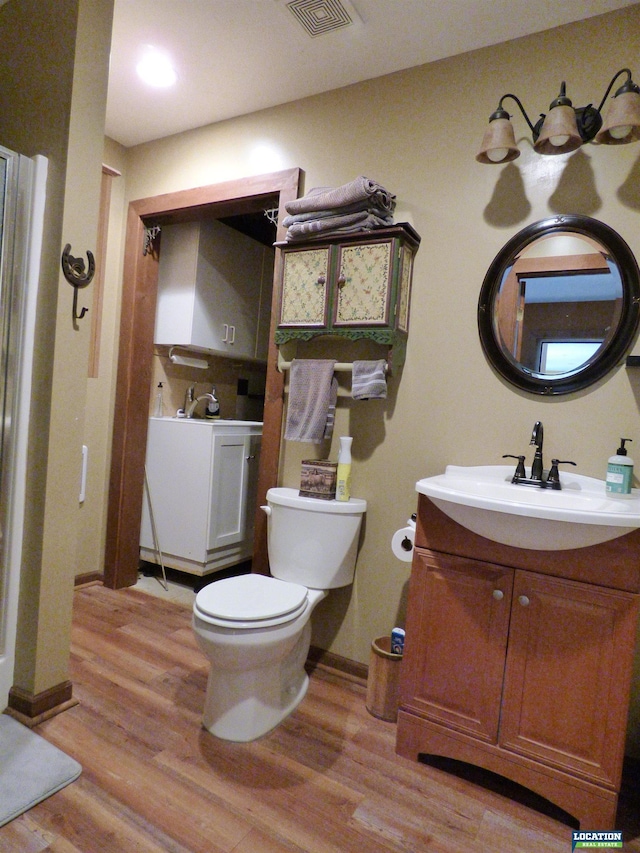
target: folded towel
<point>327,198</point>
<point>350,223</point>
<point>369,381</point>
<point>312,391</point>
<point>359,206</point>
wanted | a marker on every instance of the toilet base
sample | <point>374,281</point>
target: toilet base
<point>251,718</point>
<point>243,705</point>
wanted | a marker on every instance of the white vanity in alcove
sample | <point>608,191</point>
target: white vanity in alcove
<point>202,484</point>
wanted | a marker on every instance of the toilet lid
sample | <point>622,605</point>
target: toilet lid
<point>251,598</point>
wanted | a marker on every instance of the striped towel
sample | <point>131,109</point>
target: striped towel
<point>369,382</point>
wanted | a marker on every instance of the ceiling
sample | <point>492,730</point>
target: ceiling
<point>234,57</point>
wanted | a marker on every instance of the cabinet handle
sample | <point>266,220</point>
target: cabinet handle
<point>233,335</point>
<point>249,458</point>
<point>225,339</point>
<point>524,600</point>
<point>498,594</point>
<point>321,279</point>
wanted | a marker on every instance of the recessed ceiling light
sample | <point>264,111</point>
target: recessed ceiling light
<point>156,69</point>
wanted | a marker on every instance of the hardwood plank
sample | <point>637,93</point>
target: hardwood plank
<point>327,780</point>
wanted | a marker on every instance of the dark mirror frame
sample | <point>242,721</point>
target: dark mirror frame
<point>611,354</point>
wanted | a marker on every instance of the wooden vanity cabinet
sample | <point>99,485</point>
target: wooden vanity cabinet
<point>356,286</point>
<point>514,667</point>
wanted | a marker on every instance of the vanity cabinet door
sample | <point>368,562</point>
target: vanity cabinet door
<point>457,625</point>
<point>305,288</point>
<point>233,489</point>
<point>567,675</point>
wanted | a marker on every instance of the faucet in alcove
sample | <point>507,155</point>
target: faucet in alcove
<point>192,406</point>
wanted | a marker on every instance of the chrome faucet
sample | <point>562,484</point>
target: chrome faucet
<point>188,397</point>
<point>192,405</point>
<point>537,478</point>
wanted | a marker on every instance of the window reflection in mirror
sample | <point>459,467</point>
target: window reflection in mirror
<point>558,303</point>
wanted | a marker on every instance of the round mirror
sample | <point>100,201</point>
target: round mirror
<point>559,305</point>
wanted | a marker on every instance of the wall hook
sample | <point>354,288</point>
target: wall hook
<point>74,272</point>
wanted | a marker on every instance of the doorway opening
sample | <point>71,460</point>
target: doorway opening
<point>230,199</point>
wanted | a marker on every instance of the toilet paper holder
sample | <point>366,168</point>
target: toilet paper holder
<point>402,541</point>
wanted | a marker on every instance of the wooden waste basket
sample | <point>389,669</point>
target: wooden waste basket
<point>383,680</point>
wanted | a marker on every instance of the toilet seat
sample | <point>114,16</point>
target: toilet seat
<point>250,601</point>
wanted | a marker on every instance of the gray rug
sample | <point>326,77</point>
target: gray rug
<point>31,769</point>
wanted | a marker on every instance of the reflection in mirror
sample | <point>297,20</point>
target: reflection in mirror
<point>559,305</point>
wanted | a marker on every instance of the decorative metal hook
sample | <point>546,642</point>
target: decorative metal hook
<point>74,272</point>
<point>150,235</point>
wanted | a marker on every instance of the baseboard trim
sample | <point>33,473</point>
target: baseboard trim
<point>345,666</point>
<point>32,709</point>
<point>88,577</point>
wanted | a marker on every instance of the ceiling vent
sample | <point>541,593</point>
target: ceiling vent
<point>322,16</point>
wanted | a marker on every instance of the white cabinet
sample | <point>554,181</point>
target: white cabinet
<point>213,284</point>
<point>202,478</point>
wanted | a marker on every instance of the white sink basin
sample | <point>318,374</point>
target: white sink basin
<point>217,422</point>
<point>484,500</point>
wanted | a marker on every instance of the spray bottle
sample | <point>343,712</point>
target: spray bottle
<point>343,484</point>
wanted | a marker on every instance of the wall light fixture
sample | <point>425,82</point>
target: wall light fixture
<point>565,127</point>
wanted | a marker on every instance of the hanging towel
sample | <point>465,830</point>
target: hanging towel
<point>369,382</point>
<point>313,390</point>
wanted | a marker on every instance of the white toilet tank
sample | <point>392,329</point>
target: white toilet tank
<point>311,541</point>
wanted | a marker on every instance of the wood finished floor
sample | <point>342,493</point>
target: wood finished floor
<point>326,781</point>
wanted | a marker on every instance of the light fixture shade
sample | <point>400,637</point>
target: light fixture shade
<point>622,123</point>
<point>499,143</point>
<point>559,133</point>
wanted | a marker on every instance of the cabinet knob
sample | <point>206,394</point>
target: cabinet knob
<point>342,280</point>
<point>322,279</point>
<point>524,600</point>
<point>498,594</point>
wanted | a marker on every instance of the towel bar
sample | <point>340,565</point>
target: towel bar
<point>341,366</point>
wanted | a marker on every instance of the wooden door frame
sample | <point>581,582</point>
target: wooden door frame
<point>135,360</point>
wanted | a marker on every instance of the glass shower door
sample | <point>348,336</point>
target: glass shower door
<point>22,198</point>
<point>8,198</point>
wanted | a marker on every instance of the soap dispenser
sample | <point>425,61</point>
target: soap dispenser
<point>213,406</point>
<point>159,409</point>
<point>619,472</point>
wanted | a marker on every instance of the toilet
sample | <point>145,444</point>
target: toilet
<point>256,630</point>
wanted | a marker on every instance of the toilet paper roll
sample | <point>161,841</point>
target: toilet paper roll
<point>402,543</point>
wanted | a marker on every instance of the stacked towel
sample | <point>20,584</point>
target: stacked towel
<point>360,205</point>
<point>313,391</point>
<point>368,382</point>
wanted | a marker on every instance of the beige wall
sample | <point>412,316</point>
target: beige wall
<point>53,68</point>
<point>98,421</point>
<point>417,132</point>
